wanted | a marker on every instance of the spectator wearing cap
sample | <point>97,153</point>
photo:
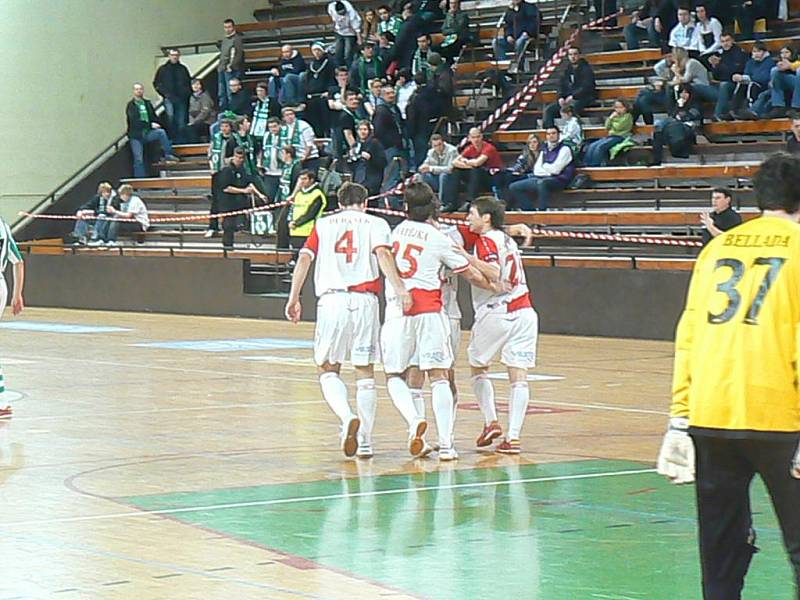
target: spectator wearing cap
<point>346,28</point>
<point>478,164</point>
<point>143,127</point>
<point>285,85</point>
<point>174,84</point>
<point>201,113</point>
<point>366,68</point>
<point>316,80</point>
<point>231,61</point>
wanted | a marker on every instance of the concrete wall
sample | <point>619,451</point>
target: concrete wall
<point>68,67</point>
<point>596,302</point>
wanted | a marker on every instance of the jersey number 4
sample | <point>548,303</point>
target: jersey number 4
<point>344,245</point>
<point>728,287</point>
<point>410,255</point>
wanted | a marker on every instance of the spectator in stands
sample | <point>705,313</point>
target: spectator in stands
<point>577,87</point>
<point>520,24</point>
<point>722,216</point>
<point>309,204</point>
<point>373,99</point>
<point>437,164</point>
<point>236,186</point>
<point>262,109</point>
<point>747,12</point>
<point>316,81</point>
<point>727,61</point>
<point>679,130</point>
<point>571,131</point>
<point>784,82</point>
<point>652,20</point>
<point>619,125</point>
<point>346,29</point>
<point>478,163</point>
<point>220,150</point>
<point>143,127</point>
<point>443,79</point>
<point>285,85</point>
<point>420,62</point>
<point>793,143</point>
<point>389,130</point>
<point>348,118</point>
<point>270,158</point>
<point>710,31</point>
<point>689,71</point>
<point>336,99</point>
<point>296,132</point>
<point>366,68</point>
<point>242,138</point>
<point>127,205</point>
<point>231,61</point>
<point>553,171</point>
<point>369,27</point>
<point>685,34</point>
<point>426,106</point>
<point>736,96</point>
<point>455,30</point>
<point>93,213</point>
<point>654,96</point>
<point>388,22</point>
<point>239,104</point>
<point>174,83</point>
<point>288,185</point>
<point>385,50</point>
<point>522,167</point>
<point>201,113</point>
<point>367,159</point>
<point>406,85</point>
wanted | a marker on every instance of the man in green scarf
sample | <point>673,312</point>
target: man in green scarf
<point>366,68</point>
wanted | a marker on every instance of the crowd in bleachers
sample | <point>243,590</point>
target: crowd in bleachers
<point>372,103</point>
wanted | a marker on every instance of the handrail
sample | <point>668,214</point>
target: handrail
<point>115,145</point>
<point>197,45</point>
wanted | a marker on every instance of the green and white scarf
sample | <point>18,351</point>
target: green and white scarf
<point>260,116</point>
<point>218,151</point>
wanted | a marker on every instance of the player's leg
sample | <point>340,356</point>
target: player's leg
<point>331,343</point>
<point>771,460</point>
<point>725,522</point>
<point>455,345</point>
<point>489,334</point>
<point>435,358</point>
<point>415,379</point>
<point>484,393</point>
<point>519,355</point>
<point>397,347</point>
<point>443,412</point>
<point>5,407</point>
<point>364,319</point>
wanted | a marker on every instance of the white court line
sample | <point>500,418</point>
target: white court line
<point>191,509</point>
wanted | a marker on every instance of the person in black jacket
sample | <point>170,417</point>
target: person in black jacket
<point>389,130</point>
<point>285,86</point>
<point>316,81</point>
<point>367,159</point>
<point>425,107</point>
<point>236,186</point>
<point>729,61</point>
<point>679,130</point>
<point>174,83</point>
<point>143,127</point>
<point>654,20</point>
<point>520,24</point>
<point>577,88</point>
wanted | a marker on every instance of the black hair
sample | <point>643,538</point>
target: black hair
<point>420,201</point>
<point>308,173</point>
<point>487,205</point>
<point>759,45</point>
<point>351,194</point>
<point>231,21</point>
<point>777,182</point>
<point>725,191</point>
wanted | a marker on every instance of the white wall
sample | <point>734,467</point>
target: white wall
<point>67,69</point>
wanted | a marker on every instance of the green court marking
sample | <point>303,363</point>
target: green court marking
<point>455,535</point>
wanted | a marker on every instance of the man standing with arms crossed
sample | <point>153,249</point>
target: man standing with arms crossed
<point>735,403</point>
<point>350,247</point>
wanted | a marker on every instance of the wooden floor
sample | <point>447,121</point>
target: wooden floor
<point>210,469</point>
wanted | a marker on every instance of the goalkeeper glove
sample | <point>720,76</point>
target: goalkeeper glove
<point>676,458</point>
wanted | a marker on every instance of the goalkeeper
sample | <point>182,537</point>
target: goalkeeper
<point>735,402</point>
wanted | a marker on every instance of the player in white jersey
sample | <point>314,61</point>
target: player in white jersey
<point>505,323</point>
<point>9,253</point>
<point>420,335</point>
<point>351,249</point>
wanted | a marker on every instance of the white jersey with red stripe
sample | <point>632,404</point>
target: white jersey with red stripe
<point>344,246</point>
<point>421,253</point>
<point>450,279</point>
<point>496,247</point>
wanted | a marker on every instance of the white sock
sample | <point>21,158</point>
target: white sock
<point>401,396</point>
<point>442,401</point>
<point>484,392</point>
<point>335,393</point>
<point>517,407</point>
<point>455,414</point>
<point>366,404</point>
<point>418,396</point>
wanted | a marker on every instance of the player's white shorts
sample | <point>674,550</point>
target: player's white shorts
<point>420,340</point>
<point>348,326</point>
<point>513,334</point>
<point>455,336</point>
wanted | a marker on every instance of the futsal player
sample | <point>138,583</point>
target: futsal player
<point>9,253</point>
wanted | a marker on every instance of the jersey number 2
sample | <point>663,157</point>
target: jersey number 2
<point>345,246</point>
<point>728,287</point>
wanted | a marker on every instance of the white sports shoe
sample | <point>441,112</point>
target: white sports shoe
<point>209,233</point>
<point>415,442</point>
<point>447,454</point>
<point>364,451</point>
<point>348,437</point>
<point>95,243</point>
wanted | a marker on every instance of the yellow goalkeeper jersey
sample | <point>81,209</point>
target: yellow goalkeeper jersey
<point>737,341</point>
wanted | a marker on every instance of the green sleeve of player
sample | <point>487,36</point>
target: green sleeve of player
<point>15,255</point>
